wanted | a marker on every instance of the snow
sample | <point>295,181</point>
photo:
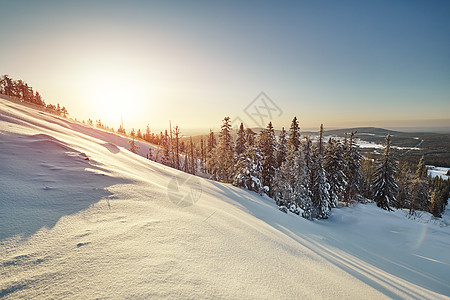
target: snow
<point>438,171</point>
<point>82,217</point>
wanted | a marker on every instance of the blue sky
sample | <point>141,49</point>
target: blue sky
<point>341,63</point>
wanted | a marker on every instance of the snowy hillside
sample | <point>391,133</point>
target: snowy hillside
<point>82,217</point>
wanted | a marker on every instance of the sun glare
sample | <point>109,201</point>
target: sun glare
<point>114,97</point>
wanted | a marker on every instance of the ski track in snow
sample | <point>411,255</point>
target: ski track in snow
<point>82,217</point>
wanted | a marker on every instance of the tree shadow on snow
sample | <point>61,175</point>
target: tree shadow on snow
<point>374,269</point>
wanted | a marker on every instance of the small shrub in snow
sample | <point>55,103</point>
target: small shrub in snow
<point>283,209</point>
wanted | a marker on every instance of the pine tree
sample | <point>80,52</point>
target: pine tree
<point>176,147</point>
<point>210,153</point>
<point>224,154</point>
<point>150,153</point>
<point>404,182</point>
<point>193,160</point>
<point>267,144</point>
<point>281,148</point>
<point>320,195</point>
<point>250,137</point>
<point>353,170</point>
<point>294,135</point>
<point>421,171</point>
<point>385,183</point>
<point>64,111</point>
<point>248,167</point>
<point>133,146</point>
<point>419,189</point>
<point>166,149</point>
<point>309,164</point>
<point>254,167</point>
<point>334,164</point>
<point>291,182</point>
<point>147,133</point>
<point>202,155</point>
<point>241,141</point>
<point>367,171</point>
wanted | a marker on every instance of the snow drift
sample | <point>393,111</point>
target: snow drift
<point>82,217</point>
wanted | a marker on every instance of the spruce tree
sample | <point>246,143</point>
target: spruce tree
<point>267,145</point>
<point>421,171</point>
<point>281,148</point>
<point>133,146</point>
<point>210,153</point>
<point>290,183</point>
<point>241,141</point>
<point>166,149</point>
<point>294,135</point>
<point>250,137</point>
<point>334,164</point>
<point>419,189</point>
<point>404,190</point>
<point>385,183</point>
<point>224,154</point>
<point>320,187</point>
<point>353,170</point>
<point>150,153</point>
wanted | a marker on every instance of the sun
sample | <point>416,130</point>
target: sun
<point>115,97</point>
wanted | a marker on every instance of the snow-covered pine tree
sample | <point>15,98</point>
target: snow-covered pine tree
<point>367,171</point>
<point>421,171</point>
<point>404,183</point>
<point>294,134</point>
<point>166,149</point>
<point>193,161</point>
<point>385,183</point>
<point>241,141</point>
<point>248,168</point>
<point>150,153</point>
<point>290,183</point>
<point>267,144</point>
<point>225,153</point>
<point>320,195</point>
<point>210,153</point>
<point>133,146</point>
<point>241,168</point>
<point>202,155</point>
<point>176,147</point>
<point>250,137</point>
<point>254,159</point>
<point>334,164</point>
<point>281,148</point>
<point>419,189</point>
<point>353,170</point>
<point>309,163</point>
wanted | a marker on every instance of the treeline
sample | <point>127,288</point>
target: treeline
<point>310,177</point>
<point>20,90</point>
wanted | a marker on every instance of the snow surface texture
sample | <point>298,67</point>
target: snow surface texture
<point>438,171</point>
<point>82,217</point>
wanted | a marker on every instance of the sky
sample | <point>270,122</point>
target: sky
<point>340,63</point>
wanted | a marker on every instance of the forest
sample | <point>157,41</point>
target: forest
<point>20,90</point>
<point>307,176</point>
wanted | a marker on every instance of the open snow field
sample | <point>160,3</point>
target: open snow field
<point>82,217</point>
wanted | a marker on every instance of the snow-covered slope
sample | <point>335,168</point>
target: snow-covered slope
<point>82,217</point>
